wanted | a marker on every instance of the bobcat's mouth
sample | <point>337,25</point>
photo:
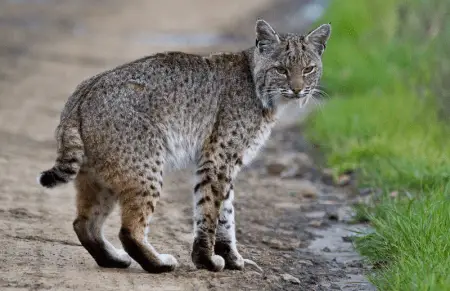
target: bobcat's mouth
<point>303,94</point>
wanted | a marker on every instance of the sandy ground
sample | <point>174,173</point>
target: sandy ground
<point>46,48</point>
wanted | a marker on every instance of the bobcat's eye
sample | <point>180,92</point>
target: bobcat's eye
<point>281,71</point>
<point>308,70</point>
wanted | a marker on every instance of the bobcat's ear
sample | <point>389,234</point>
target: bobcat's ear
<point>266,37</point>
<point>319,37</point>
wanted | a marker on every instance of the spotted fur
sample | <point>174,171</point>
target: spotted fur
<point>122,129</point>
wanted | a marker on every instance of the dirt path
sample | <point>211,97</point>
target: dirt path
<point>47,48</point>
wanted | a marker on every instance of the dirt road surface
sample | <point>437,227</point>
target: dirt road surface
<point>290,226</point>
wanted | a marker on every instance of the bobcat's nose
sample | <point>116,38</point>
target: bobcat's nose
<point>296,91</point>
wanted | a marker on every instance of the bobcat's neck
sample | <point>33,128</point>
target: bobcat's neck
<point>271,110</point>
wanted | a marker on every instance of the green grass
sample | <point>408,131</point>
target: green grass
<point>411,239</point>
<point>386,67</point>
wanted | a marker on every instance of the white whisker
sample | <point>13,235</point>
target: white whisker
<point>317,102</point>
<point>319,92</point>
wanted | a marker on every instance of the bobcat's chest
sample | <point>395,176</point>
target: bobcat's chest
<point>255,144</point>
<point>182,150</point>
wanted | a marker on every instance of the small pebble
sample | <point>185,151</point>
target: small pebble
<point>289,278</point>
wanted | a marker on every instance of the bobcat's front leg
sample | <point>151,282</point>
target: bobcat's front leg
<point>207,199</point>
<point>214,176</point>
<point>226,234</point>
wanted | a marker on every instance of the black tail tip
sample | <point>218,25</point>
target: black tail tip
<point>49,179</point>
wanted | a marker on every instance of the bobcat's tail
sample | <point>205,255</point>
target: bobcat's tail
<point>69,159</point>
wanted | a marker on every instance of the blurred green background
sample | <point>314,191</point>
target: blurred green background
<point>387,69</point>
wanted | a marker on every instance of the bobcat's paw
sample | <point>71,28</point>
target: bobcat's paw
<point>119,259</point>
<point>235,262</point>
<point>214,263</point>
<point>168,261</point>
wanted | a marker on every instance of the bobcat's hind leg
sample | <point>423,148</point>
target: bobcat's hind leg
<point>138,203</point>
<point>94,204</point>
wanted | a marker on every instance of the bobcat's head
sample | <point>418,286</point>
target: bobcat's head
<point>287,67</point>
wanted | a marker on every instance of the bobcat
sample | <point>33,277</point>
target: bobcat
<point>122,129</point>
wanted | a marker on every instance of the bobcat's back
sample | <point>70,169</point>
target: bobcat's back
<point>169,100</point>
